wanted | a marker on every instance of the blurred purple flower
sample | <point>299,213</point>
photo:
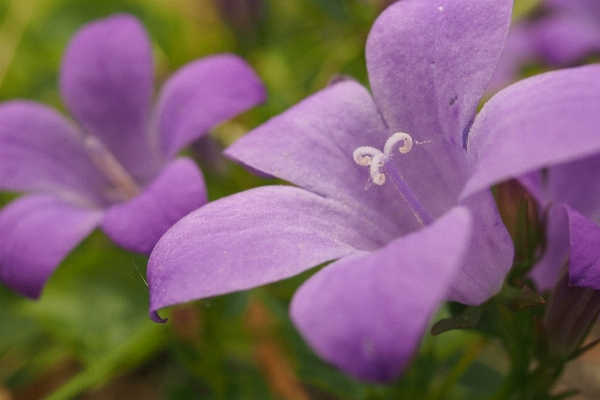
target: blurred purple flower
<point>118,167</point>
<point>564,34</point>
<point>428,62</point>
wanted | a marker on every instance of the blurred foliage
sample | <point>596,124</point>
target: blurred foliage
<point>89,334</point>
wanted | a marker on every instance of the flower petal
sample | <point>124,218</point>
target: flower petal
<point>252,238</point>
<point>38,231</point>
<point>429,62</point>
<point>312,143</point>
<point>545,272</point>
<point>532,181</point>
<point>106,82</point>
<point>547,119</point>
<point>203,94</point>
<point>584,252</point>
<point>489,256</point>
<point>367,313</point>
<point>517,52</point>
<point>41,150</point>
<point>139,223</point>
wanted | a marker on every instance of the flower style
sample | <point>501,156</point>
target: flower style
<point>414,236</point>
<point>565,33</point>
<point>117,168</point>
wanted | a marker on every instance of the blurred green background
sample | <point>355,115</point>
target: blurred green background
<point>89,334</point>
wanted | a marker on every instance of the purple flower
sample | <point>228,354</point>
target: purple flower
<point>117,168</point>
<point>429,62</point>
<point>568,192</point>
<point>553,144</point>
<point>565,33</point>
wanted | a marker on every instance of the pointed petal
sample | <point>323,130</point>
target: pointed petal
<point>203,94</point>
<point>367,313</point>
<point>41,150</point>
<point>312,143</point>
<point>429,62</point>
<point>38,231</point>
<point>547,119</point>
<point>139,223</point>
<point>106,82</point>
<point>252,238</point>
<point>584,252</point>
<point>489,256</point>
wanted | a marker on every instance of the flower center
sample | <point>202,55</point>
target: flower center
<point>125,186</point>
<point>380,166</point>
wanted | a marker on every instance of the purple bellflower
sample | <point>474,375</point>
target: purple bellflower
<point>117,166</point>
<point>568,193</point>
<point>380,181</point>
<point>565,32</point>
<point>558,165</point>
<point>413,237</point>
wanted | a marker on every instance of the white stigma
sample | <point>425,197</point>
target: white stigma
<point>377,176</point>
<point>405,138</point>
<point>370,156</point>
<point>364,154</point>
<point>380,171</point>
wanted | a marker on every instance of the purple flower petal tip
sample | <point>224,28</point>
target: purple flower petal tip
<point>203,94</point>
<point>157,318</point>
<point>374,332</point>
<point>43,230</point>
